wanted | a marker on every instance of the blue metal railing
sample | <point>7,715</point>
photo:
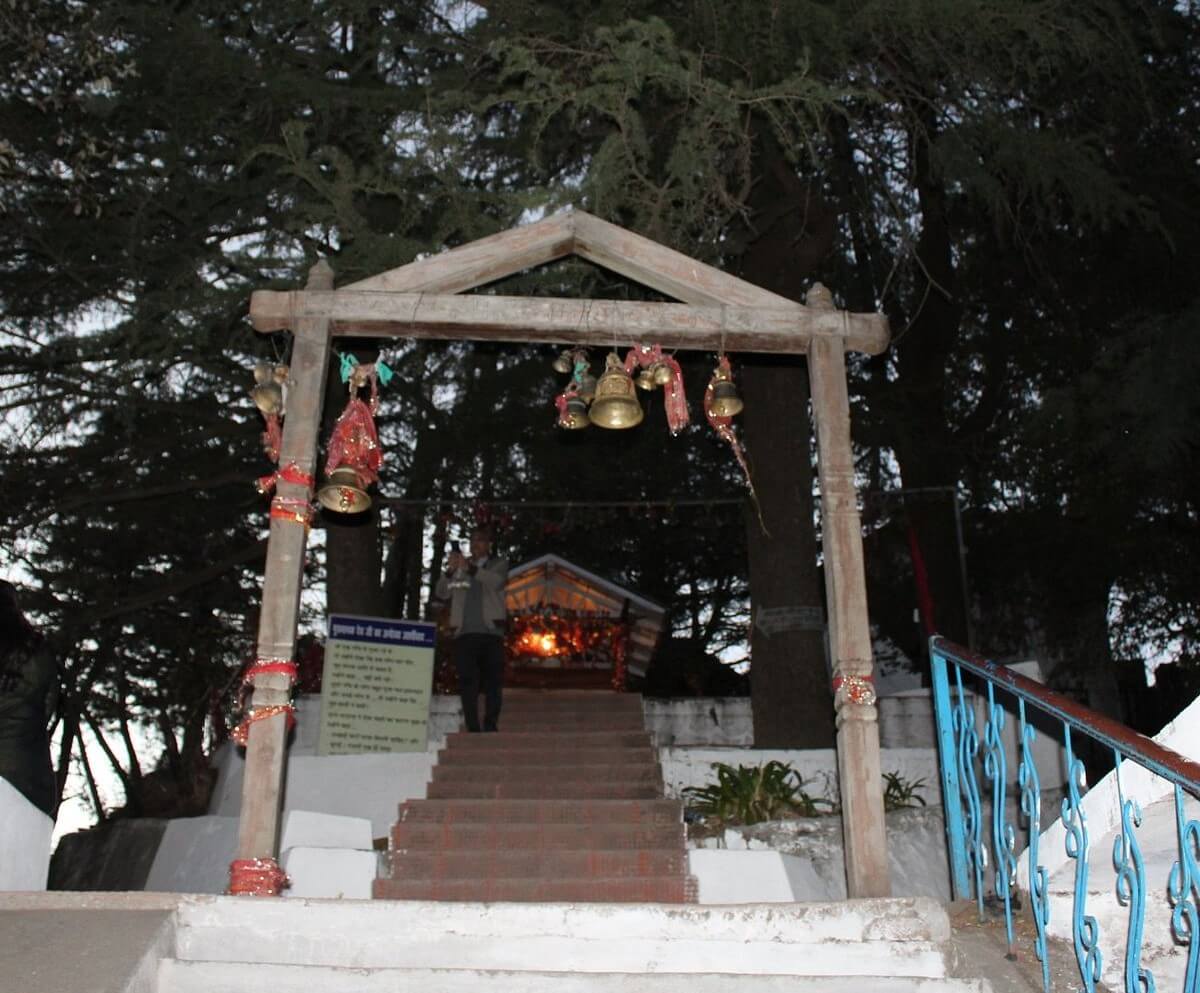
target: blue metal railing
<point>981,858</point>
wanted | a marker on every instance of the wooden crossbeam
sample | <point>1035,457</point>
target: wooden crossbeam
<point>786,328</point>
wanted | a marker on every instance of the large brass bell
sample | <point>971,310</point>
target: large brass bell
<point>576,414</point>
<point>616,405</point>
<point>725,399</point>
<point>343,492</point>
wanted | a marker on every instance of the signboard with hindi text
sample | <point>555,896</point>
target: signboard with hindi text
<point>375,686</point>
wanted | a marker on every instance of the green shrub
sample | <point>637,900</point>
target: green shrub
<point>899,793</point>
<point>748,794</point>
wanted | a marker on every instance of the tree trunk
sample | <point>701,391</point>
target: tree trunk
<point>790,692</point>
<point>926,450</point>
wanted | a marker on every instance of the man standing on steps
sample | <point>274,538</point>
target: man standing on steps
<point>475,588</point>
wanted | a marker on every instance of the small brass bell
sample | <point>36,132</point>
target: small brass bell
<point>343,492</point>
<point>268,397</point>
<point>564,363</point>
<point>576,415</point>
<point>646,379</point>
<point>587,387</point>
<point>616,405</point>
<point>725,399</point>
<point>662,373</point>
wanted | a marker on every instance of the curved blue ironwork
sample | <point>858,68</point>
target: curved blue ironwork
<point>959,741</point>
<point>1131,888</point>
<point>1031,804</point>
<point>1183,887</point>
<point>1084,929</point>
<point>968,747</point>
<point>995,765</point>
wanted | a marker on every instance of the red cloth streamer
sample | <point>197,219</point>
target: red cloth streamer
<point>264,666</point>
<point>290,473</point>
<point>921,577</point>
<point>676,402</point>
<point>293,510</point>
<point>241,733</point>
<point>272,437</point>
<point>256,877</point>
<point>355,443</point>
<point>560,401</point>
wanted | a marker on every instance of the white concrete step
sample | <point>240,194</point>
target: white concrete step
<point>897,938</point>
<point>241,977</point>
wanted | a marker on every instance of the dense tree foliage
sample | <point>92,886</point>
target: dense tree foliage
<point>1014,183</point>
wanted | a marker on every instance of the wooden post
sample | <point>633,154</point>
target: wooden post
<point>266,748</point>
<point>860,777</point>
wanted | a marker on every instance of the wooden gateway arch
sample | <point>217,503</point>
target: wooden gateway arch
<point>717,312</point>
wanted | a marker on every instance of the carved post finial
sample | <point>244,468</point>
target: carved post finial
<point>819,297</point>
<point>320,276</point>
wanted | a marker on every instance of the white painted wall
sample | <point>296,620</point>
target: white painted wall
<point>732,866</point>
<point>370,786</point>
<point>700,721</point>
<point>25,850</point>
<point>324,855</point>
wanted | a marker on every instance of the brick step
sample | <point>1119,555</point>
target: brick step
<point>448,836</point>
<point>531,693</point>
<point>532,863</point>
<point>558,756</point>
<point>648,812</point>
<point>572,722</point>
<point>547,740</point>
<point>571,712</point>
<point>539,789</point>
<point>616,705</point>
<point>641,774</point>
<point>531,698</point>
<point>649,889</point>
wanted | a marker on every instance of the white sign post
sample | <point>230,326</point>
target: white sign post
<point>375,686</point>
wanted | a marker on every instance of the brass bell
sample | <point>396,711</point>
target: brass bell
<point>662,373</point>
<point>616,405</point>
<point>343,492</point>
<point>576,415</point>
<point>725,399</point>
<point>646,379</point>
<point>268,397</point>
<point>564,363</point>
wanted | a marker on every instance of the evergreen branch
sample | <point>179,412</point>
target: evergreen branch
<point>242,556</point>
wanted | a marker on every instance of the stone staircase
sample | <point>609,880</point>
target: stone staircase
<point>545,860</point>
<point>565,803</point>
<point>236,945</point>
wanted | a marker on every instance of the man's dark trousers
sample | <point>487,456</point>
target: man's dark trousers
<point>479,659</point>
